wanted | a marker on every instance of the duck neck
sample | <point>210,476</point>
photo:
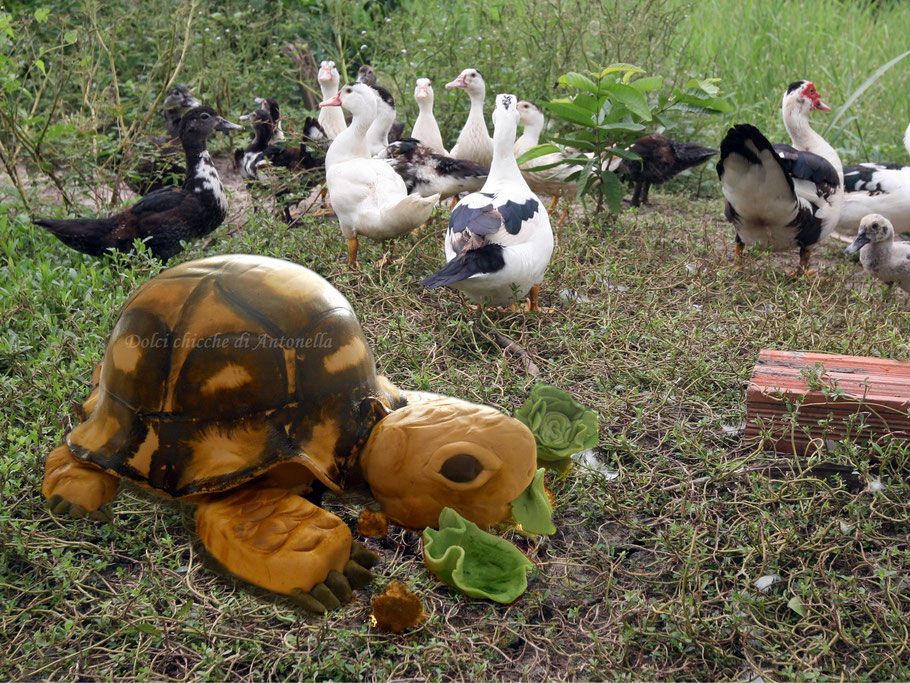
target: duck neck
<point>351,143</point>
<point>476,112</point>
<point>807,140</point>
<point>530,137</point>
<point>504,168</point>
<point>172,121</point>
<point>262,134</point>
<point>329,89</point>
<point>378,132</point>
<point>202,179</point>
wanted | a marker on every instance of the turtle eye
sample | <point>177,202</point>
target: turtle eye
<point>461,468</point>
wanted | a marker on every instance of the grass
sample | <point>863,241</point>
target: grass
<point>650,575</point>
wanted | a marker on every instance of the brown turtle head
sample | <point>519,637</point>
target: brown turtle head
<point>439,452</point>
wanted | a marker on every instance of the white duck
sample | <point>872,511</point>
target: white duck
<point>780,196</point>
<point>425,127</point>
<point>499,240</point>
<point>377,137</point>
<point>369,198</point>
<point>551,181</point>
<point>330,118</point>
<point>474,142</point>
<point>876,188</point>
<point>880,255</point>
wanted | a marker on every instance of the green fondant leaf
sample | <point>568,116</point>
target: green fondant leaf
<point>532,509</point>
<point>478,564</point>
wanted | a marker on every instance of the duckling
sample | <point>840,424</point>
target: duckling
<point>499,240</point>
<point>164,217</point>
<point>160,162</point>
<point>880,255</point>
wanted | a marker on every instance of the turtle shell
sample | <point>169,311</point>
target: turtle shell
<point>221,369</point>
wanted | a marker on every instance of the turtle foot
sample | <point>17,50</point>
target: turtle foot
<point>282,542</point>
<point>76,488</point>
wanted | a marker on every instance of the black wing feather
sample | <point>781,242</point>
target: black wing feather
<point>514,214</point>
<point>809,166</point>
<point>486,259</point>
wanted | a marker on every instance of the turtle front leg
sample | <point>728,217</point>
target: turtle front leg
<point>284,543</point>
<point>77,488</point>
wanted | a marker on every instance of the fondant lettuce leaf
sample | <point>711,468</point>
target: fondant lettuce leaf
<point>478,564</point>
<point>532,509</point>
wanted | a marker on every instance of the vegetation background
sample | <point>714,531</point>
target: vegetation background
<point>662,537</point>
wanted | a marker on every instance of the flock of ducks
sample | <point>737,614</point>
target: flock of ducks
<point>794,196</point>
<point>499,239</point>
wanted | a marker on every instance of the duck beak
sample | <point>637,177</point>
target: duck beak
<point>224,124</point>
<point>821,106</point>
<point>245,117</point>
<point>331,102</point>
<point>861,241</point>
<point>190,102</point>
<point>422,91</point>
<point>459,82</point>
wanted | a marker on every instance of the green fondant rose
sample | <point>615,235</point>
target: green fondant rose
<point>478,564</point>
<point>561,426</point>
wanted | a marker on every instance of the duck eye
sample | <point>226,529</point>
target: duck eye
<point>204,116</point>
<point>461,468</point>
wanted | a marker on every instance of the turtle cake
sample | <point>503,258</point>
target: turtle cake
<point>235,383</point>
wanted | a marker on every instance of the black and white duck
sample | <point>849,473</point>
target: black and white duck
<point>882,188</point>
<point>780,196</point>
<point>166,216</point>
<point>499,240</point>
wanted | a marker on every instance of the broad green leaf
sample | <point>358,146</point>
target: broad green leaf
<point>588,102</point>
<point>647,83</point>
<point>147,628</point>
<point>71,36</point>
<point>41,14</point>
<point>570,112</point>
<point>623,125</point>
<point>612,190</point>
<point>537,151</point>
<point>626,69</point>
<point>631,98</point>
<point>40,64</point>
<point>706,85</point>
<point>573,79</point>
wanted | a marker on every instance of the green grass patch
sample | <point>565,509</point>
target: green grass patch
<point>650,575</point>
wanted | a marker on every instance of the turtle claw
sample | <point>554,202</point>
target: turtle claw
<point>60,506</point>
<point>338,588</point>
<point>363,556</point>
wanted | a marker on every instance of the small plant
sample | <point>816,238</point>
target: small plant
<point>612,109</point>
